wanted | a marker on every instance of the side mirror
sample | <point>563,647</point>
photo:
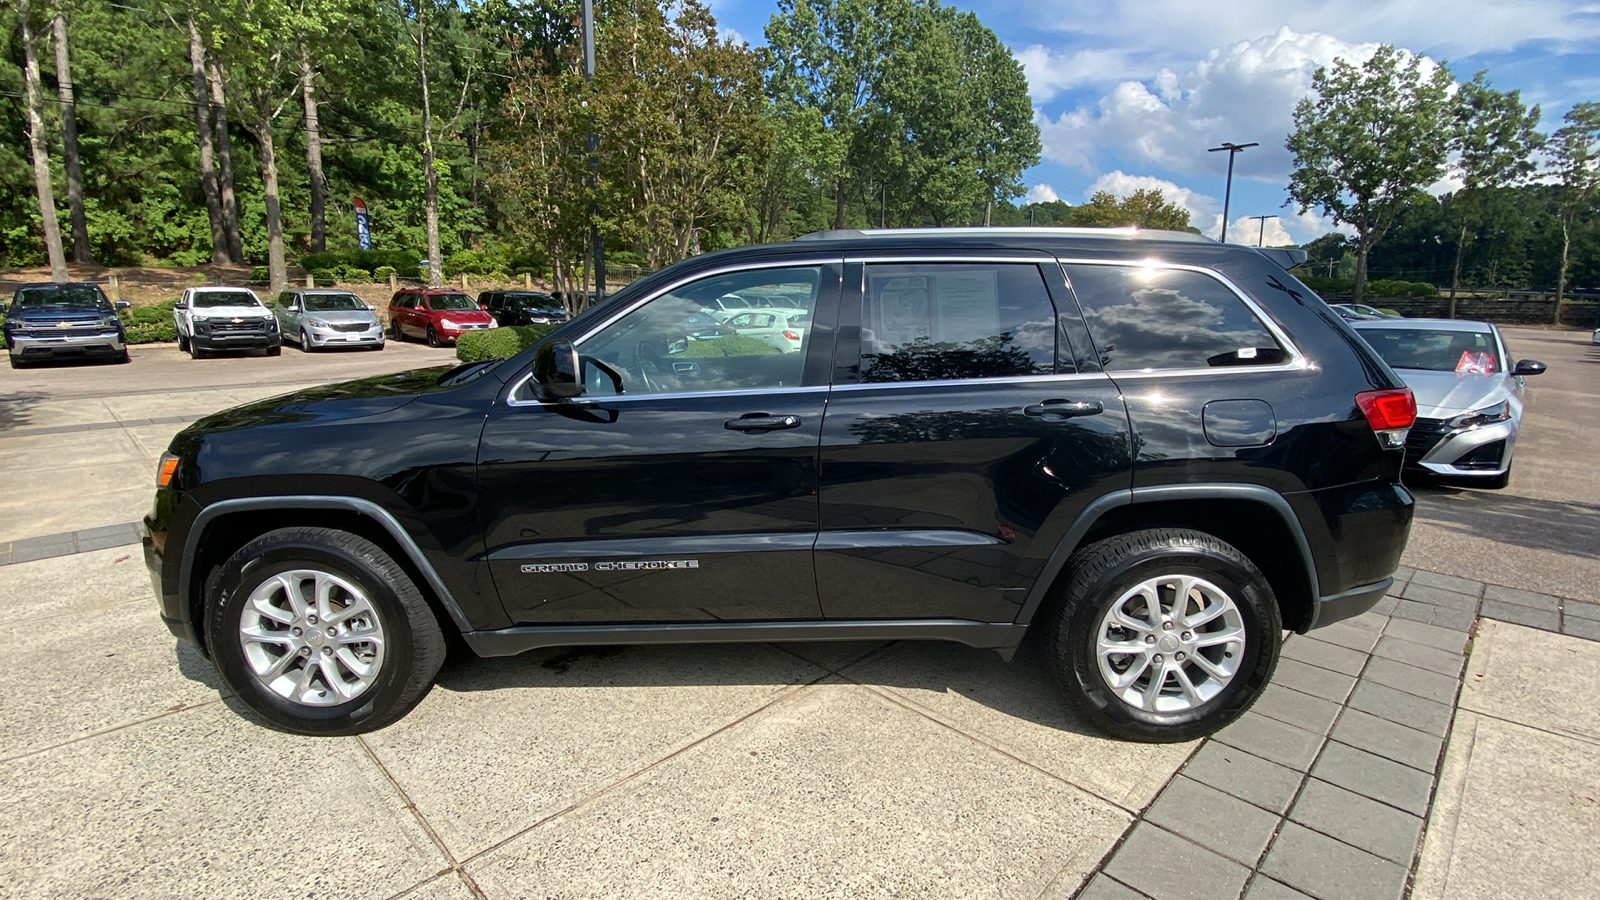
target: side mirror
<point>483,306</point>
<point>370,307</point>
<point>121,304</point>
<point>556,373</point>
<point>1528,367</point>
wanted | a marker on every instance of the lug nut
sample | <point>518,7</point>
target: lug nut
<point>305,651</point>
<point>296,632</point>
<point>1179,656</point>
<point>1149,639</point>
<point>311,619</point>
<point>1156,658</point>
<point>1188,636</point>
<point>327,651</point>
<point>1166,626</point>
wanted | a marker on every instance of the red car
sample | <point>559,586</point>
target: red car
<point>438,315</point>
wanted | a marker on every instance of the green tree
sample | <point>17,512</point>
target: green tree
<point>1575,155</point>
<point>1495,138</point>
<point>1373,137</point>
<point>1145,208</point>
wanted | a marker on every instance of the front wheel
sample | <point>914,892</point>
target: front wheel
<point>195,351</point>
<point>321,632</point>
<point>433,337</point>
<point>1499,482</point>
<point>305,342</point>
<point>1163,635</point>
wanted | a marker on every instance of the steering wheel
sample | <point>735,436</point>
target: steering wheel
<point>652,368</point>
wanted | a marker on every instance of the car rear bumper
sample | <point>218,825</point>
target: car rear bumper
<point>1349,604</point>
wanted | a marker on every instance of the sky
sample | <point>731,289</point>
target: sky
<point>1131,95</point>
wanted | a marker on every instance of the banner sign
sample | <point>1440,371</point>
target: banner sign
<point>363,233</point>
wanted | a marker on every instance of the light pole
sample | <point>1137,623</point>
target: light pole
<point>1227,195</point>
<point>1262,235</point>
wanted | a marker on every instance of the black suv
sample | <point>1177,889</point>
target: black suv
<point>523,307</point>
<point>1159,450</point>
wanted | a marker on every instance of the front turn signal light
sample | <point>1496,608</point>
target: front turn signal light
<point>166,469</point>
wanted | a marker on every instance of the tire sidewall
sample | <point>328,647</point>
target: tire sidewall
<point>234,587</point>
<point>1257,608</point>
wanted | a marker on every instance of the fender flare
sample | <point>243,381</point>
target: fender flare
<point>364,508</point>
<point>1094,511</point>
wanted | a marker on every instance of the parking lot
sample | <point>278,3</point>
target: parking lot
<point>848,770</point>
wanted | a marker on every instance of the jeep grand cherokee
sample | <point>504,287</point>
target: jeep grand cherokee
<point>1159,450</point>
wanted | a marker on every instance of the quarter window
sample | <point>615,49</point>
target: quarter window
<point>684,342</point>
<point>941,321</point>
<point>1144,318</point>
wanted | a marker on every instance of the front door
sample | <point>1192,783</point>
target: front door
<point>963,435</point>
<point>681,486</point>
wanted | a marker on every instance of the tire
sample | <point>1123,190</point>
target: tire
<point>433,338</point>
<point>275,350</point>
<point>394,331</point>
<point>1107,574</point>
<point>404,662</point>
<point>122,358</point>
<point>15,362</point>
<point>195,352</point>
<point>183,344</point>
<point>305,342</point>
<point>1499,482</point>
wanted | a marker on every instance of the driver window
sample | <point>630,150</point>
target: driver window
<point>690,340</point>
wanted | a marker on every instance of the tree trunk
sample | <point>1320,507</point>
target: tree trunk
<point>230,207</point>
<point>988,210</point>
<point>208,166</point>
<point>430,178</point>
<point>277,269</point>
<point>69,142</point>
<point>1455,277</point>
<point>319,185</point>
<point>1561,276</point>
<point>838,199</point>
<point>41,157</point>
<point>1361,271</point>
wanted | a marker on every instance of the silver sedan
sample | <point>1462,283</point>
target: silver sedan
<point>1469,401</point>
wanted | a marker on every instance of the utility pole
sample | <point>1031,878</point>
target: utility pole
<point>1227,195</point>
<point>597,243</point>
<point>1262,235</point>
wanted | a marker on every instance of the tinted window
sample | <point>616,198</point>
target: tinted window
<point>332,302</point>
<point>1435,351</point>
<point>674,343</point>
<point>1146,317</point>
<point>74,297</point>
<point>945,321</point>
<point>286,298</point>
<point>451,301</point>
<point>203,299</point>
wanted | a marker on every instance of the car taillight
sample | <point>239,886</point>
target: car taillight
<point>1390,413</point>
<point>792,335</point>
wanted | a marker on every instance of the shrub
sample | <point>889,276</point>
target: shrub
<point>150,315</point>
<point>260,275</point>
<point>731,345</point>
<point>324,277</point>
<point>151,332</point>
<point>357,276</point>
<point>404,262</point>
<point>382,273</point>
<point>497,343</point>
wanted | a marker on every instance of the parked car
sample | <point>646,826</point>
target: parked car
<point>319,318</point>
<point>1363,311</point>
<point>224,318</point>
<point>522,307</point>
<point>1469,404</point>
<point>437,315</point>
<point>63,321</point>
<point>1595,338</point>
<point>1159,450</point>
<point>769,327</point>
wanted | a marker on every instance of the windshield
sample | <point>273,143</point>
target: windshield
<point>69,297</point>
<point>529,299</point>
<point>332,302</point>
<point>208,299</point>
<point>1467,352</point>
<point>451,301</point>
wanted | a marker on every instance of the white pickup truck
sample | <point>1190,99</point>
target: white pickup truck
<point>224,318</point>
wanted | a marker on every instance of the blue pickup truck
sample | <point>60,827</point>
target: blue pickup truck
<point>56,321</point>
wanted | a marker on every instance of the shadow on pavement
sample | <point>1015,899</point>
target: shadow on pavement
<point>15,409</point>
<point>1560,526</point>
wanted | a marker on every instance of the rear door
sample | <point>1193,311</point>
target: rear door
<point>964,432</point>
<point>681,487</point>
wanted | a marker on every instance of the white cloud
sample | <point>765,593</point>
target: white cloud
<point>1202,208</point>
<point>1244,92</point>
<point>1247,230</point>
<point>1460,28</point>
<point>1041,193</point>
<point>1050,73</point>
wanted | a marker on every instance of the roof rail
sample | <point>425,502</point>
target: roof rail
<point>997,231</point>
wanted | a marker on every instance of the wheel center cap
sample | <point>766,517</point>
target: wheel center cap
<point>314,638</point>
<point>1168,643</point>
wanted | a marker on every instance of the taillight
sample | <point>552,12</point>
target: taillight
<point>792,335</point>
<point>1390,413</point>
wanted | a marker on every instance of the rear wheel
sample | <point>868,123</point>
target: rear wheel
<point>1163,635</point>
<point>321,632</point>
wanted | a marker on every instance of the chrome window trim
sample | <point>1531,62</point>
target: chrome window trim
<point>676,395</point>
<point>970,382</point>
<point>1025,258</point>
<point>1297,361</point>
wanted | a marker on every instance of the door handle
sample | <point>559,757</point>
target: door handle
<point>1053,410</point>
<point>761,422</point>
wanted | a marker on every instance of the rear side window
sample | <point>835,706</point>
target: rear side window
<point>944,321</point>
<point>1146,318</point>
